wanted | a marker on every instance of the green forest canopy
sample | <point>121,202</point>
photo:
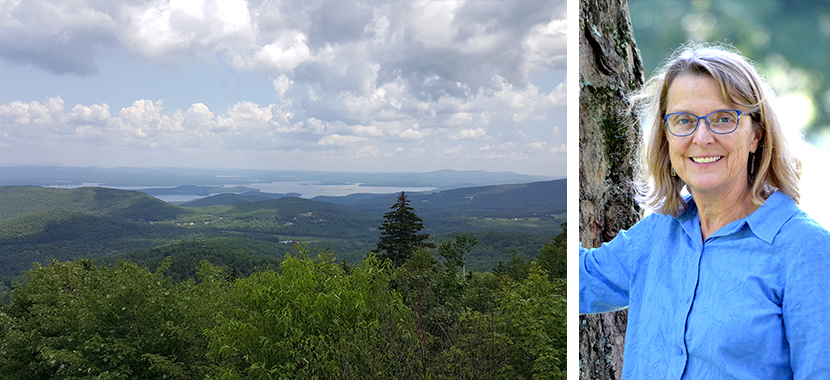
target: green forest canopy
<point>309,318</point>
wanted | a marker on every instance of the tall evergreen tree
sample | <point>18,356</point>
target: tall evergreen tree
<point>399,232</point>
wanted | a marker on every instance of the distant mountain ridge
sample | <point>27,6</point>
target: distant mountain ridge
<point>35,175</point>
<point>524,199</point>
<point>38,224</point>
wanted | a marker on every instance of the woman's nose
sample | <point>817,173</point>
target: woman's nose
<point>702,134</point>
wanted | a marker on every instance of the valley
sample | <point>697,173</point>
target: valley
<point>249,229</point>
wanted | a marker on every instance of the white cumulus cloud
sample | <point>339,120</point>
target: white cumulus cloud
<point>92,114</point>
<point>414,134</point>
<point>368,152</point>
<point>33,113</point>
<point>402,79</point>
<point>282,84</point>
<point>469,134</point>
<point>338,140</point>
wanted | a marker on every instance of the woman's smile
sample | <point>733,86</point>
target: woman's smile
<point>706,160</point>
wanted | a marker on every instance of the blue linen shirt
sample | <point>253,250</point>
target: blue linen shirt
<point>750,302</point>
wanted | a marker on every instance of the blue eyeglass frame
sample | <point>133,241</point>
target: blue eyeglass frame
<point>698,118</point>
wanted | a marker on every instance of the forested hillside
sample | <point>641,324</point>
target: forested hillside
<point>519,200</point>
<point>133,288</point>
<point>38,224</point>
<point>119,204</point>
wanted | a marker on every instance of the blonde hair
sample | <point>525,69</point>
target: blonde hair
<point>773,167</point>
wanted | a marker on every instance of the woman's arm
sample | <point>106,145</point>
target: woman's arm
<point>806,303</point>
<point>605,272</point>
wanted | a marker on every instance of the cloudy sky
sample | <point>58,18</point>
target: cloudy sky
<point>321,85</point>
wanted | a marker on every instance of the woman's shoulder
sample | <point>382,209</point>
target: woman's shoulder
<point>801,226</point>
<point>794,226</point>
<point>804,246</point>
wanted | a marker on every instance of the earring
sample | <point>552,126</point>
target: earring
<point>751,164</point>
<point>673,173</point>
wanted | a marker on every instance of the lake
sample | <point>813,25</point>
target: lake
<point>306,189</point>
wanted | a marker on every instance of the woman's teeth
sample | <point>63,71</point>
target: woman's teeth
<point>706,160</point>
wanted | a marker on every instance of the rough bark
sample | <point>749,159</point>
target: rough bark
<point>609,69</point>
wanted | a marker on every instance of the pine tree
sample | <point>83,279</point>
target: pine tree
<point>399,238</point>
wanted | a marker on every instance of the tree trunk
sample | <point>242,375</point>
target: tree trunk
<point>609,69</point>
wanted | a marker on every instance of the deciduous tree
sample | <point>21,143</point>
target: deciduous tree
<point>455,251</point>
<point>553,256</point>
<point>79,320</point>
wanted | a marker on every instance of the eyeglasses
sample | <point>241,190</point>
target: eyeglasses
<point>721,122</point>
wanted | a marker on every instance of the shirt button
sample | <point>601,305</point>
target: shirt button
<point>679,351</point>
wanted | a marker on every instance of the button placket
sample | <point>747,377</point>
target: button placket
<point>691,283</point>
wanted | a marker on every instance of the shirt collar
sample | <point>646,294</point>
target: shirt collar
<point>765,222</point>
<point>768,219</point>
<point>689,221</point>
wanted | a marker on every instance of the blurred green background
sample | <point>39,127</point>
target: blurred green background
<point>789,40</point>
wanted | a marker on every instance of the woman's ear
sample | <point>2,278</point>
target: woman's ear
<point>758,135</point>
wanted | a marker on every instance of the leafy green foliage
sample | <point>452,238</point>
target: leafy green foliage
<point>516,268</point>
<point>456,251</point>
<point>495,247</point>
<point>312,320</point>
<point>243,255</point>
<point>483,325</point>
<point>79,320</point>
<point>553,257</point>
<point>537,328</point>
<point>309,318</point>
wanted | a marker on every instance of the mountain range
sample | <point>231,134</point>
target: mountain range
<point>55,175</point>
<point>40,224</point>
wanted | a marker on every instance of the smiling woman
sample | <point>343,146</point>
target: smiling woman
<point>724,282</point>
<point>712,160</point>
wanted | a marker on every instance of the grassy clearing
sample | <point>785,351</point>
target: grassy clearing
<point>507,223</point>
